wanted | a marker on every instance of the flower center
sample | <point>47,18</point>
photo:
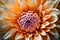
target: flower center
<point>29,21</point>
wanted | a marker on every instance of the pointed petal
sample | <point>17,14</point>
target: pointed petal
<point>51,26</point>
<point>11,5</point>
<point>40,7</point>
<point>37,37</point>
<point>29,37</point>
<point>18,36</point>
<point>42,1</point>
<point>43,33</point>
<point>46,37</point>
<point>46,17</point>
<point>33,3</point>
<point>50,4</point>
<point>53,19</point>
<point>46,29</point>
<point>54,11</point>
<point>9,33</point>
<point>8,1</point>
<point>3,16</point>
<point>7,24</point>
<point>11,2</point>
<point>45,24</point>
<point>43,14</point>
<point>23,5</point>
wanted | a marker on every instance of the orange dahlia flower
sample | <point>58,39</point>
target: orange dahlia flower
<point>29,19</point>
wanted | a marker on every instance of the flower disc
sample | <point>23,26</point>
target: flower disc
<point>29,21</point>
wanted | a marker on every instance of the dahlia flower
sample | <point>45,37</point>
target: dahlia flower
<point>29,20</point>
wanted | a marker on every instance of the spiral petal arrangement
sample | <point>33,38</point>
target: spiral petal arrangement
<point>29,20</point>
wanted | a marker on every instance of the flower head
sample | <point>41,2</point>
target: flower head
<point>29,19</point>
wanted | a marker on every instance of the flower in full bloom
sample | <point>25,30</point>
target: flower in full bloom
<point>29,19</point>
